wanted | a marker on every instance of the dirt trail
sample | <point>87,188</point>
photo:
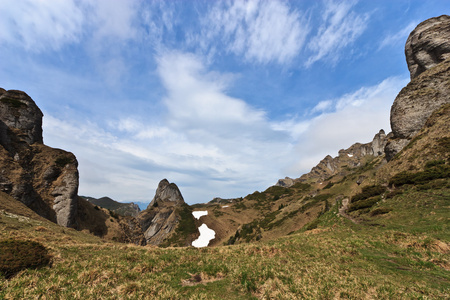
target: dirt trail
<point>343,210</point>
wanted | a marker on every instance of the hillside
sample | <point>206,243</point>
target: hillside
<point>123,209</point>
<point>371,223</point>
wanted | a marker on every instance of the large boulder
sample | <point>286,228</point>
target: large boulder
<point>428,44</point>
<point>20,119</point>
<point>43,178</point>
<point>428,56</point>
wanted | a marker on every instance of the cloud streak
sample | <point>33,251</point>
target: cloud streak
<point>341,26</point>
<point>261,31</point>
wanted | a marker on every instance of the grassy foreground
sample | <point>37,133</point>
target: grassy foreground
<point>338,260</point>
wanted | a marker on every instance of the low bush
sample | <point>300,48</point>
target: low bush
<point>431,173</point>
<point>368,192</point>
<point>18,255</point>
<point>380,211</point>
<point>367,203</point>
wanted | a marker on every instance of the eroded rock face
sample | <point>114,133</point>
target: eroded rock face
<point>21,116</point>
<point>43,178</point>
<point>428,56</point>
<point>428,45</point>
<point>166,193</point>
<point>163,214</point>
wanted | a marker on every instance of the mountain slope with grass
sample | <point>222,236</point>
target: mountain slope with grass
<point>379,229</point>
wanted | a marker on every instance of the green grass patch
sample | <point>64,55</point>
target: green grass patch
<point>18,255</point>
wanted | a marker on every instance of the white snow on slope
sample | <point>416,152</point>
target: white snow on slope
<point>206,235</point>
<point>200,213</point>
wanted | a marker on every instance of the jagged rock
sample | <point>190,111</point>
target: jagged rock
<point>353,157</point>
<point>428,45</point>
<point>163,215</point>
<point>43,178</point>
<point>286,182</point>
<point>166,193</point>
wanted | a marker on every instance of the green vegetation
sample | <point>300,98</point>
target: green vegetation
<point>186,227</point>
<point>13,102</point>
<point>18,255</point>
<point>368,192</point>
<point>432,172</point>
<point>62,161</point>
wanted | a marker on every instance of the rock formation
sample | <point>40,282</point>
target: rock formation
<point>428,45</point>
<point>353,157</point>
<point>428,56</point>
<point>43,178</point>
<point>163,215</point>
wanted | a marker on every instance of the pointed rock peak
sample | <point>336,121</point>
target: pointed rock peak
<point>167,194</point>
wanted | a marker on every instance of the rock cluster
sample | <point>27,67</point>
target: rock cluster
<point>353,157</point>
<point>428,56</point>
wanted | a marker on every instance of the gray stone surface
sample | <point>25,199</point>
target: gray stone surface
<point>428,45</point>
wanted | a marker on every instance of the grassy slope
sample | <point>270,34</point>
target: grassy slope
<point>402,253</point>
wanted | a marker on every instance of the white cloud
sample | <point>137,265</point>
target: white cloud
<point>341,27</point>
<point>38,25</point>
<point>112,18</point>
<point>262,31</point>
<point>355,117</point>
<point>398,38</point>
<point>322,106</point>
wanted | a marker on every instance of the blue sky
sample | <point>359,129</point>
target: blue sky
<point>221,97</point>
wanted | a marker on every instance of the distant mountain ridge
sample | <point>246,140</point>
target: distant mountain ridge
<point>123,209</point>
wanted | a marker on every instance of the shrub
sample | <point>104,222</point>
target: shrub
<point>17,255</point>
<point>367,203</point>
<point>13,102</point>
<point>380,211</point>
<point>368,192</point>
<point>394,193</point>
<point>329,185</point>
<point>62,161</point>
<point>301,186</point>
<point>433,163</point>
<point>431,173</point>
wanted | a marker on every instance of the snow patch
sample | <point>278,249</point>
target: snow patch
<point>225,206</point>
<point>200,213</point>
<point>350,155</point>
<point>206,235</point>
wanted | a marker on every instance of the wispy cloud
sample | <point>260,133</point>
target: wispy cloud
<point>259,30</point>
<point>341,27</point>
<point>40,25</point>
<point>353,117</point>
<point>49,25</point>
<point>398,38</point>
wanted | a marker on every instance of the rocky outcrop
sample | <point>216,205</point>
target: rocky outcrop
<point>428,56</point>
<point>355,156</point>
<point>163,215</point>
<point>166,194</point>
<point>43,178</point>
<point>428,45</point>
<point>20,117</point>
